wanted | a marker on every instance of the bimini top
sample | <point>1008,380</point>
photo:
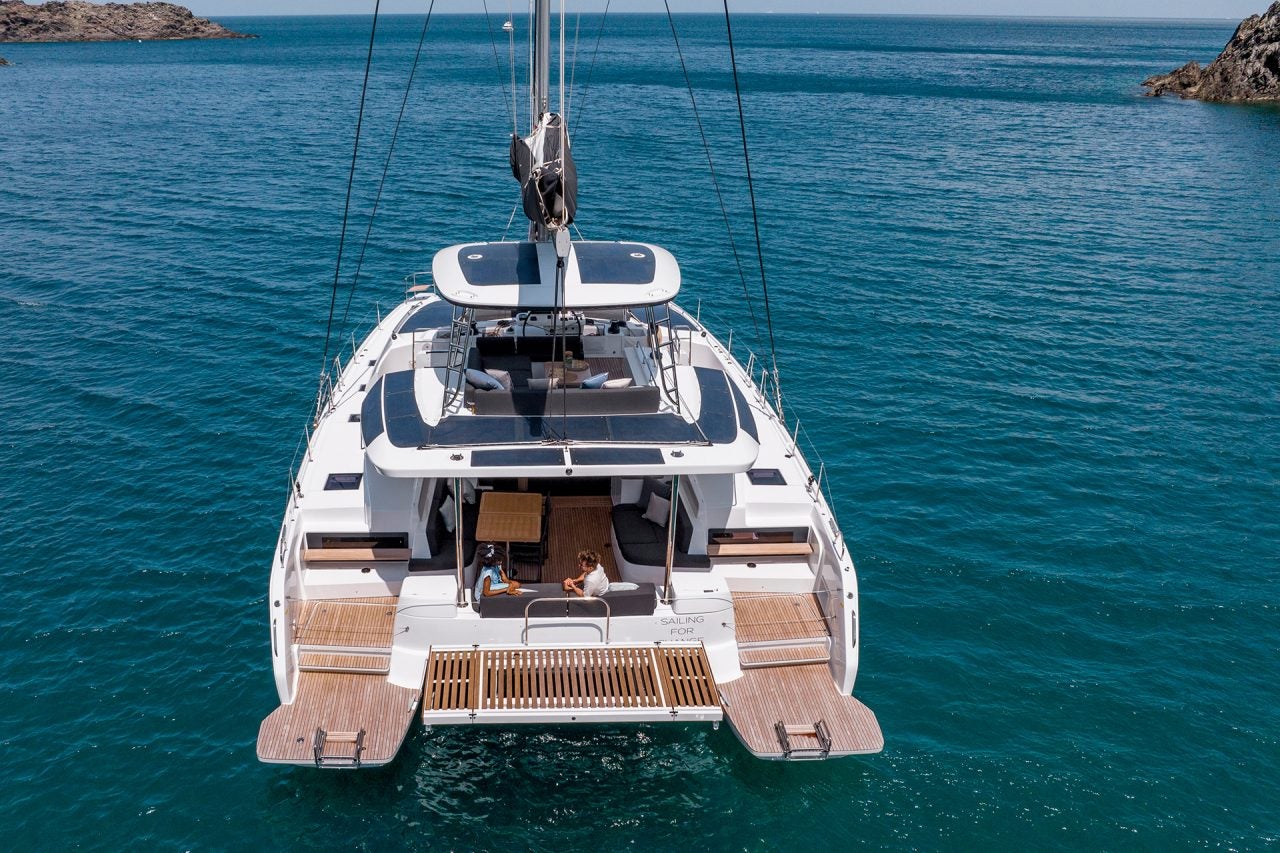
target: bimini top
<point>523,275</point>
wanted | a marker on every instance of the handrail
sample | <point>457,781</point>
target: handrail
<point>608,612</point>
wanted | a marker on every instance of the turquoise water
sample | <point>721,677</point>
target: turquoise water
<point>1028,317</point>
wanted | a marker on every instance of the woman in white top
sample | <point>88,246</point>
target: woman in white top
<point>591,580</point>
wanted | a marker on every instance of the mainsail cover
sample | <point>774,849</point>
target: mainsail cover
<point>544,167</point>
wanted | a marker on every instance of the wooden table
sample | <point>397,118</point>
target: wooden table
<point>578,370</point>
<point>509,517</point>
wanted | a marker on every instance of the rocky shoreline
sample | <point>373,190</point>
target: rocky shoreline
<point>78,20</point>
<point>1248,69</point>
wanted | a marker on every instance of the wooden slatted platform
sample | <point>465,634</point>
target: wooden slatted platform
<point>797,696</point>
<point>338,703</point>
<point>762,617</point>
<point>577,523</point>
<point>363,623</point>
<point>569,685</point>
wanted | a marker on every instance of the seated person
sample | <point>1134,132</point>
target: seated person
<point>591,579</point>
<point>492,580</point>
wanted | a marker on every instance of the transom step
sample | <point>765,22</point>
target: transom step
<point>787,655</point>
<point>367,664</point>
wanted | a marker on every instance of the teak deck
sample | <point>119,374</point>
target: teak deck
<point>578,523</point>
<point>644,682</point>
<point>338,702</point>
<point>761,617</point>
<point>797,696</point>
<point>363,623</point>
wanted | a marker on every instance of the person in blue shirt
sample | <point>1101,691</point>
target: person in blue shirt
<point>492,580</point>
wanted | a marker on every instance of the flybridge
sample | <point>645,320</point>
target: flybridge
<point>528,274</point>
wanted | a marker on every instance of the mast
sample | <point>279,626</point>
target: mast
<point>541,161</point>
<point>540,83</point>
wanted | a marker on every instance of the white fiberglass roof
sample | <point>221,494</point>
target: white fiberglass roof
<point>520,275</point>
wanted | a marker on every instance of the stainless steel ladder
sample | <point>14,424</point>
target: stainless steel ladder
<point>666,353</point>
<point>455,368</point>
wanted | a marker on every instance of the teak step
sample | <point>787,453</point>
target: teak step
<point>788,655</point>
<point>367,664</point>
<point>759,549</point>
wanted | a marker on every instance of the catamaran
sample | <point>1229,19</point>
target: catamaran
<point>525,402</point>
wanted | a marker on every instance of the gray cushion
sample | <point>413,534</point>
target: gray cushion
<point>572,401</point>
<point>652,486</point>
<point>512,606</point>
<point>630,527</point>
<point>645,544</point>
<point>623,602</point>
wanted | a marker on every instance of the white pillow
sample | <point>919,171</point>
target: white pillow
<point>617,383</point>
<point>502,376</point>
<point>482,380</point>
<point>596,381</point>
<point>449,512</point>
<point>658,511</point>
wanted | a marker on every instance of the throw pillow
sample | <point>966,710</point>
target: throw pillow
<point>618,383</point>
<point>658,511</point>
<point>449,513</point>
<point>502,376</point>
<point>596,381</point>
<point>480,379</point>
<point>544,384</point>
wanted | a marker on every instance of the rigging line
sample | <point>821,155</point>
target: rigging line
<point>502,79</point>
<point>573,68</point>
<point>346,210</point>
<point>511,58</point>
<point>510,219</point>
<point>742,276</point>
<point>386,165</point>
<point>755,217</point>
<point>586,87</point>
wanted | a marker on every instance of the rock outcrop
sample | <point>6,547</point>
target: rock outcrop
<point>1248,69</point>
<point>77,20</point>
<point>3,61</point>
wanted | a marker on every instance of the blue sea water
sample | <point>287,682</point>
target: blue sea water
<point>1028,317</point>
